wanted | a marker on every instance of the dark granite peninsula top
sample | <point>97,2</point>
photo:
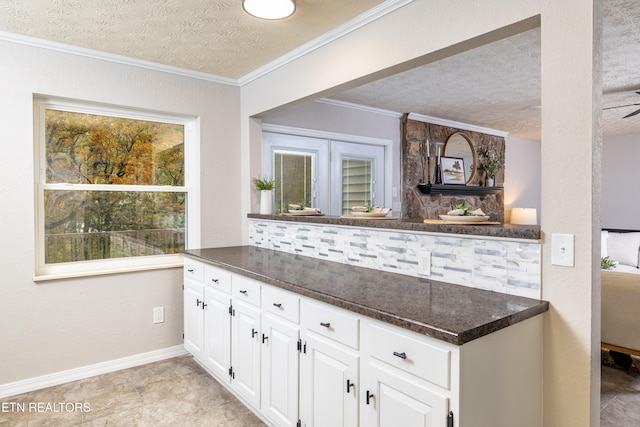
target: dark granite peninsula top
<point>529,232</point>
<point>451,313</point>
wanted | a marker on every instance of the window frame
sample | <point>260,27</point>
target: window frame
<point>113,265</point>
<point>308,140</point>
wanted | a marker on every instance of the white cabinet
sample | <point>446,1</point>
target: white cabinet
<point>280,370</point>
<point>329,366</point>
<point>329,385</point>
<point>245,351</point>
<point>405,378</point>
<point>297,361</point>
<point>207,324</point>
<point>217,332</point>
<point>280,355</point>
<point>193,317</point>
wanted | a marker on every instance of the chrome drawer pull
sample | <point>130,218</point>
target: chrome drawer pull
<point>402,355</point>
<point>326,325</point>
<point>277,304</point>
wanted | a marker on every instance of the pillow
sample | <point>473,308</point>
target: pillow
<point>624,248</point>
<point>603,244</point>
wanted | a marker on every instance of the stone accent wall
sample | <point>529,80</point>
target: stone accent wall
<point>416,205</point>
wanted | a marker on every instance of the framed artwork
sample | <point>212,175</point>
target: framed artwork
<point>452,170</point>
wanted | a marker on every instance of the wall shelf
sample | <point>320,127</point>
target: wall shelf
<point>469,190</point>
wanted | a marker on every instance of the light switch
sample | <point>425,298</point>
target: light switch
<point>562,248</point>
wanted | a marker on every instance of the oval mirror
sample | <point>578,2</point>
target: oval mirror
<point>459,145</point>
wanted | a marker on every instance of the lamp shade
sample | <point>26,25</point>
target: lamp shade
<point>269,9</point>
<point>524,216</point>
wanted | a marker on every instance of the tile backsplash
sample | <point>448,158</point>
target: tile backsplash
<point>510,266</point>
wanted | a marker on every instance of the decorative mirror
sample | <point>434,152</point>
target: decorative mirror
<point>459,145</point>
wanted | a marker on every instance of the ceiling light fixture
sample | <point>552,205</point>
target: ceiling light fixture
<point>269,9</point>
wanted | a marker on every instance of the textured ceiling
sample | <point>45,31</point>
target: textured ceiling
<point>498,85</point>
<point>494,86</point>
<point>210,36</point>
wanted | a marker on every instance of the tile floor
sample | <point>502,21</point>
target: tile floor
<point>619,394</point>
<point>178,392</point>
<point>173,392</point>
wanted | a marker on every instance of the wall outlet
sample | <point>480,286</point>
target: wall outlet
<point>424,263</point>
<point>158,315</point>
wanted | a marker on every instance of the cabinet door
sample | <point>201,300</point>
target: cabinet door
<point>245,351</point>
<point>328,383</point>
<point>393,398</point>
<point>193,317</point>
<point>280,358</point>
<point>217,330</point>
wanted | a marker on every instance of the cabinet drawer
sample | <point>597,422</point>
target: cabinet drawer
<point>281,303</point>
<point>246,289</point>
<point>217,278</point>
<point>193,269</point>
<point>408,351</point>
<point>330,322</point>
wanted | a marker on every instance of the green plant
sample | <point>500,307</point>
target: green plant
<point>488,163</point>
<point>265,183</point>
<point>607,263</point>
<point>298,206</point>
<point>466,208</point>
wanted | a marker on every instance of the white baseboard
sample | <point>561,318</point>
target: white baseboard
<point>37,383</point>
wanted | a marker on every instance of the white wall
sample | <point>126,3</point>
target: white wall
<point>422,31</point>
<point>620,177</point>
<point>63,324</point>
<point>522,174</point>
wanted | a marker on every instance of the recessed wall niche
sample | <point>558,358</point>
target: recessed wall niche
<point>416,135</point>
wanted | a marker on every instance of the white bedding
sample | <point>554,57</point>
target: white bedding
<point>621,268</point>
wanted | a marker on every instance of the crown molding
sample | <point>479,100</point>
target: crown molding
<point>361,20</point>
<point>458,125</point>
<point>359,107</point>
<point>121,59</point>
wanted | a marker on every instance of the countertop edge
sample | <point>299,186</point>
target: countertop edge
<point>387,317</point>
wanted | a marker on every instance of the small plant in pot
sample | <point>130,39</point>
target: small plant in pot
<point>488,164</point>
<point>266,186</point>
<point>264,183</point>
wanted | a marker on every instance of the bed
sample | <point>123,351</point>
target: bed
<point>621,292</point>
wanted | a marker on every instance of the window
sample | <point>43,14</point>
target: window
<point>112,188</point>
<point>303,173</point>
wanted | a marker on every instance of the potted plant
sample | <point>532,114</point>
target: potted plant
<point>489,165</point>
<point>266,186</point>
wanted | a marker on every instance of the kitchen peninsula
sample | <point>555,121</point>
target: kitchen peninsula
<point>310,340</point>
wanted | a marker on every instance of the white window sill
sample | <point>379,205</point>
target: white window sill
<point>72,275</point>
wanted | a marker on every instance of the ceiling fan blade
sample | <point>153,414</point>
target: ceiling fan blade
<point>632,114</point>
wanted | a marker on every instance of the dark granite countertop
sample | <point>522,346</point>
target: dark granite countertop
<point>451,313</point>
<point>529,232</point>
